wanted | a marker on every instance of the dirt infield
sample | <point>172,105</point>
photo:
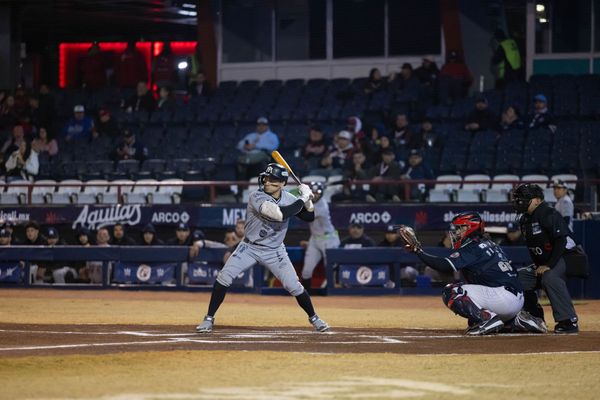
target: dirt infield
<point>31,340</point>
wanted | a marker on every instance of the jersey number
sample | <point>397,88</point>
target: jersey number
<point>504,266</point>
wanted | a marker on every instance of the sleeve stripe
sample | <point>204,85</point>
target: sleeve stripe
<point>450,262</point>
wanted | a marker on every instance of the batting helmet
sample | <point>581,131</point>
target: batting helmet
<point>471,220</point>
<point>523,194</point>
<point>276,171</point>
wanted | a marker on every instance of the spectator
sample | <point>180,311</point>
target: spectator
<point>385,143</point>
<point>506,60</point>
<point>401,134</point>
<point>106,126</point>
<point>481,118</point>
<point>337,155</point>
<point>164,68</point>
<point>360,141</point>
<point>199,241</point>
<point>375,82</point>
<point>315,147</point>
<point>514,236</point>
<point>357,238</point>
<point>392,239</point>
<point>357,170</point>
<point>564,204</point>
<point>130,67</point>
<point>256,148</point>
<point>8,113</point>
<point>511,119</point>
<point>199,86</point>
<point>5,237</point>
<point>166,100</point>
<point>45,144</point>
<point>386,170</point>
<point>92,272</point>
<point>407,82</point>
<point>182,236</point>
<point>455,79</point>
<point>23,163</point>
<point>39,116</point>
<point>83,236</point>
<point>416,169</point>
<point>80,126</point>
<point>47,102</point>
<point>57,271</point>
<point>119,238</point>
<point>142,100</point>
<point>240,228</point>
<point>541,117</point>
<point>426,138</point>
<point>14,142</point>
<point>149,236</point>
<point>428,73</point>
<point>9,226</point>
<point>231,240</point>
<point>21,101</point>
<point>130,148</point>
<point>93,68</point>
<point>34,238</point>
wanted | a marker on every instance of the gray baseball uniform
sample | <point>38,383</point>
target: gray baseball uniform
<point>323,236</point>
<point>565,207</point>
<point>263,244</point>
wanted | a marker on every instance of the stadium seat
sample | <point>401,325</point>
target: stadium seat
<point>313,178</point>
<point>93,194</point>
<point>170,194</point>
<point>334,185</point>
<point>67,194</point>
<point>252,187</point>
<point>472,192</point>
<point>443,192</point>
<point>112,195</point>
<point>42,191</point>
<point>14,194</point>
<point>143,192</point>
<point>499,192</point>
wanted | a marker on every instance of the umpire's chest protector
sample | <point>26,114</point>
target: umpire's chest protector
<point>540,231</point>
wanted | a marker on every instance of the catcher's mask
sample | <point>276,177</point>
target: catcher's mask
<point>465,225</point>
<point>523,194</point>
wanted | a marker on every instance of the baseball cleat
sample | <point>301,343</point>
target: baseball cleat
<point>318,323</point>
<point>492,325</point>
<point>207,325</point>
<point>528,323</point>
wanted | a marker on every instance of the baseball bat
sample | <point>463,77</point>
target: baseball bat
<point>280,160</point>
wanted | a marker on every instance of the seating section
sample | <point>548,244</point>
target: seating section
<point>195,141</point>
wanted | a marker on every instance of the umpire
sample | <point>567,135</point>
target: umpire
<point>553,252</point>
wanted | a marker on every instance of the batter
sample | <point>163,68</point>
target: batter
<point>267,219</point>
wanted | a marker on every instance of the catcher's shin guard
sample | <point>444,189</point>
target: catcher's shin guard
<point>456,299</point>
<point>532,306</point>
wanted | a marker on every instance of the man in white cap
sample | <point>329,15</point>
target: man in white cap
<point>256,148</point>
<point>564,204</point>
<point>337,155</point>
<point>80,126</point>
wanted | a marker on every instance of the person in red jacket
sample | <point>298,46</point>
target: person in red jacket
<point>130,67</point>
<point>455,79</point>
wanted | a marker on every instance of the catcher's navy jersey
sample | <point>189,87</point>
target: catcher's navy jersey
<point>482,262</point>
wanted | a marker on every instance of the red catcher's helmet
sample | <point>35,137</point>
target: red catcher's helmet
<point>469,219</point>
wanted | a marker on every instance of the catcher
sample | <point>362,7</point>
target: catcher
<point>492,297</point>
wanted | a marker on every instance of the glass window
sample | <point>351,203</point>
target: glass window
<point>247,30</point>
<point>414,27</point>
<point>358,29</point>
<point>571,26</point>
<point>301,29</point>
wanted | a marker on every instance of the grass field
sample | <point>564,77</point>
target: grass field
<point>141,345</point>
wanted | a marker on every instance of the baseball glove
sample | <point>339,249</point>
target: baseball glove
<point>409,237</point>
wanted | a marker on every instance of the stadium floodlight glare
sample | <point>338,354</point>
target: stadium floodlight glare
<point>540,7</point>
<point>543,20</point>
<point>182,65</point>
<point>188,5</point>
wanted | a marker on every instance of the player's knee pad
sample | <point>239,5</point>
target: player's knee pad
<point>456,299</point>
